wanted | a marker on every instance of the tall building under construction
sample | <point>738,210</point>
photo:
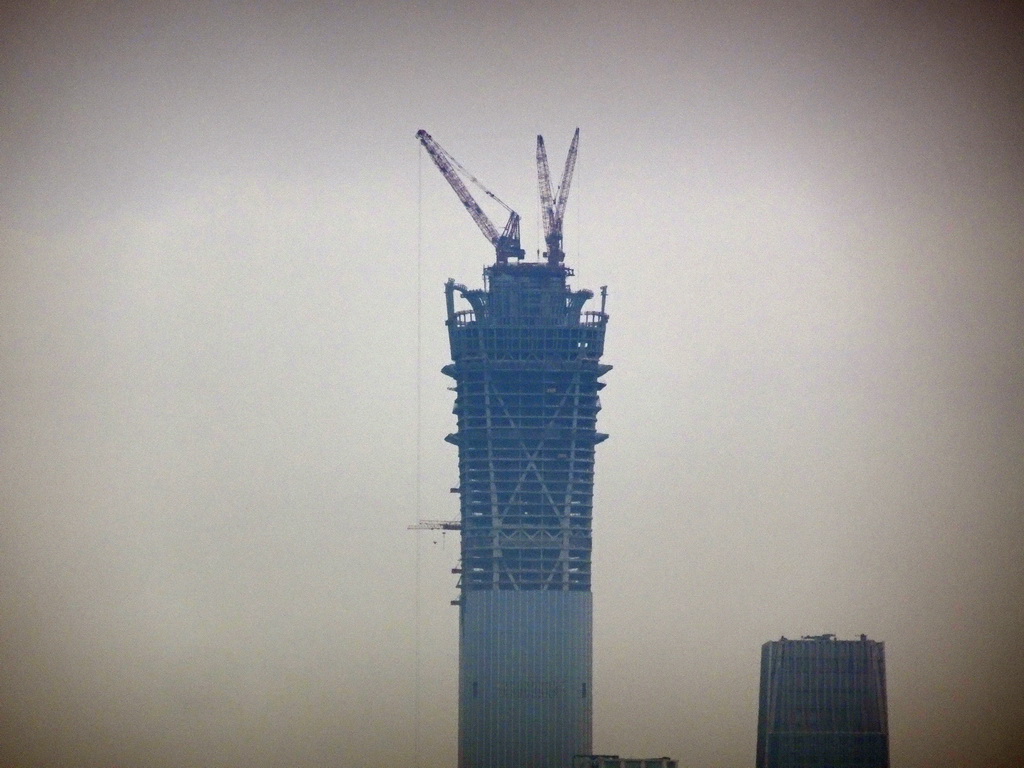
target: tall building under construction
<point>823,704</point>
<point>526,361</point>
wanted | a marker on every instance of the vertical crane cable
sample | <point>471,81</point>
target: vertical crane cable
<point>419,442</point>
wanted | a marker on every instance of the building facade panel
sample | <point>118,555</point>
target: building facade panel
<point>525,678</point>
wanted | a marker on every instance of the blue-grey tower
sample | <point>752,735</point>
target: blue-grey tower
<point>527,368</point>
<point>526,361</point>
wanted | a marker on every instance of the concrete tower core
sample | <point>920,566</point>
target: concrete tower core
<point>526,364</point>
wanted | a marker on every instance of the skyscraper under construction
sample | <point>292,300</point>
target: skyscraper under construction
<point>823,704</point>
<point>526,360</point>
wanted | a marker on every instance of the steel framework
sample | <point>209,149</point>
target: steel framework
<point>526,363</point>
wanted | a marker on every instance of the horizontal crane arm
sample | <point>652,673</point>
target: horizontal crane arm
<point>436,525</point>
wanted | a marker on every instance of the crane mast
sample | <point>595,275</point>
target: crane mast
<point>506,243</point>
<point>552,206</point>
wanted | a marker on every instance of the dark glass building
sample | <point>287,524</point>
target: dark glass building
<point>526,365</point>
<point>822,704</point>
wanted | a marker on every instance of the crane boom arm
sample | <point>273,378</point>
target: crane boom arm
<point>547,206</point>
<point>446,164</point>
<point>563,188</point>
<point>553,210</point>
<point>436,525</point>
<point>506,243</point>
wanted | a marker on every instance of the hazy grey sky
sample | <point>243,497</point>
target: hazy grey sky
<point>809,217</point>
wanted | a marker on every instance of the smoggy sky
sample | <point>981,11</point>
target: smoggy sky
<point>221,327</point>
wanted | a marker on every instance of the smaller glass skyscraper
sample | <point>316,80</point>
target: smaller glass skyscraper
<point>822,704</point>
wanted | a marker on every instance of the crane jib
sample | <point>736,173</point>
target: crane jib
<point>506,242</point>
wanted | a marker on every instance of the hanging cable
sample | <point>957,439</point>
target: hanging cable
<point>419,442</point>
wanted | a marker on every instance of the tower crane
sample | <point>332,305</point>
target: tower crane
<point>506,243</point>
<point>553,207</point>
<point>436,525</point>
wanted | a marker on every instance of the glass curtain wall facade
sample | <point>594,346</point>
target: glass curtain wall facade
<point>823,704</point>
